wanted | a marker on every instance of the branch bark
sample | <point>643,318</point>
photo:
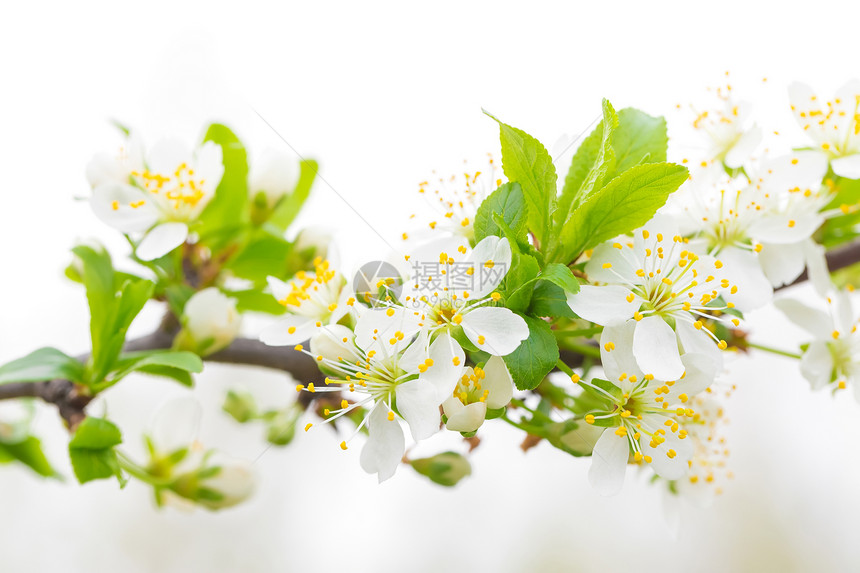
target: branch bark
<point>71,399</point>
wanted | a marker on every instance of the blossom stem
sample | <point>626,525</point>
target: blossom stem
<point>584,349</point>
<point>774,350</point>
<point>529,429</point>
<point>564,368</point>
<point>582,332</point>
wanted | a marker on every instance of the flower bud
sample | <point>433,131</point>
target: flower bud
<point>275,174</point>
<point>446,469</point>
<point>216,485</point>
<point>313,238</point>
<point>240,405</point>
<point>211,322</point>
<point>282,426</point>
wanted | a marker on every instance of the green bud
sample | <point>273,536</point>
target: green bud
<point>446,469</point>
<point>282,426</point>
<point>577,439</point>
<point>240,405</point>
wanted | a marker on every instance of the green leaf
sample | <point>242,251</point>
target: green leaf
<point>110,313</point>
<point>265,254</point>
<point>28,452</point>
<point>42,364</point>
<point>289,206</point>
<point>98,278</point>
<point>129,304</point>
<point>516,289</point>
<point>639,138</point>
<point>509,203</point>
<point>228,208</point>
<point>562,276</point>
<point>166,363</point>
<point>590,167</point>
<point>256,300</point>
<point>91,450</point>
<point>549,299</point>
<point>526,161</point>
<point>535,357</point>
<point>625,203</point>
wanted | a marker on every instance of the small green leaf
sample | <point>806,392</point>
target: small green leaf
<point>590,167</point>
<point>289,206</point>
<point>639,138</point>
<point>265,254</point>
<point>549,300</point>
<point>625,203</point>
<point>526,161</point>
<point>42,364</point>
<point>535,357</point>
<point>166,363</point>
<point>98,278</point>
<point>562,276</point>
<point>516,286</point>
<point>91,450</point>
<point>28,452</point>
<point>228,208</point>
<point>256,300</point>
<point>509,203</point>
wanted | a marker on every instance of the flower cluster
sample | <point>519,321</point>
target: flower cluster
<point>632,275</point>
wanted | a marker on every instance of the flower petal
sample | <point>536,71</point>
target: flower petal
<point>333,342</point>
<point>111,202</point>
<point>693,340</point>
<point>448,360</point>
<point>499,382</point>
<point>743,148</point>
<point>465,418</point>
<point>377,327</point>
<point>816,322</point>
<point>497,250</point>
<point>418,403</point>
<point>621,266</point>
<point>743,270</point>
<point>668,467</point>
<point>620,360</point>
<point>609,463</point>
<point>495,329</point>
<point>385,444</point>
<point>816,267</point>
<point>816,365</point>
<point>655,347</point>
<point>848,166</point>
<point>781,263</point>
<point>161,240</point>
<point>175,424</point>
<point>289,330</point>
<point>606,305</point>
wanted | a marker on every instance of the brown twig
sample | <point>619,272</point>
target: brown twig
<point>71,399</point>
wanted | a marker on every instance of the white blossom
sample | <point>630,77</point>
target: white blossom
<point>158,197</point>
<point>834,126</point>
<point>648,415</point>
<point>655,281</point>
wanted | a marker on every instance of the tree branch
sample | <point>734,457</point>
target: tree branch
<point>71,399</point>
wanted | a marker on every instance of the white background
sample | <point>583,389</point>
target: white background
<point>382,94</point>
